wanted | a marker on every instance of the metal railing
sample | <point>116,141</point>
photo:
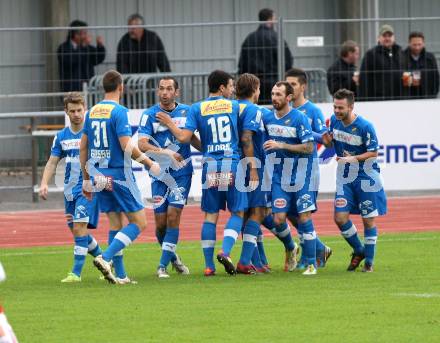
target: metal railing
<point>34,135</point>
<point>140,89</point>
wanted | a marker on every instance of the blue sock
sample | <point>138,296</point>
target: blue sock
<point>169,246</point>
<point>349,232</point>
<point>260,247</point>
<point>370,238</point>
<point>118,259</point>
<point>309,236</point>
<point>79,254</point>
<point>230,234</point>
<point>284,235</point>
<point>269,224</point>
<point>122,239</point>
<point>209,236</point>
<point>93,246</point>
<point>256,259</point>
<point>160,236</point>
<point>250,233</point>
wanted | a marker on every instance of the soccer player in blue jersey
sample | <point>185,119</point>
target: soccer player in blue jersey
<point>170,190</point>
<point>216,119</point>
<point>359,188</point>
<point>290,148</point>
<point>252,136</point>
<point>81,213</point>
<point>298,80</point>
<point>106,152</point>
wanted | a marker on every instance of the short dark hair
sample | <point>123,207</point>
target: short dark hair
<point>111,80</point>
<point>299,73</point>
<point>246,85</point>
<point>136,16</point>
<point>76,23</point>
<point>265,14</point>
<point>416,34</point>
<point>287,85</point>
<point>342,94</point>
<point>176,84</point>
<point>73,98</point>
<point>218,78</point>
<point>347,47</point>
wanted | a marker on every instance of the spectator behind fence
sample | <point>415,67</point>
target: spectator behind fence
<point>342,73</point>
<point>420,73</point>
<point>141,50</point>
<point>77,58</point>
<point>259,55</point>
<point>381,75</point>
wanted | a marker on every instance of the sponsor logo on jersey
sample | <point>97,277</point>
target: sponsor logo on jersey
<point>346,137</point>
<point>281,131</point>
<point>340,202</point>
<point>70,144</point>
<point>220,179</point>
<point>219,106</point>
<point>280,203</point>
<point>101,111</point>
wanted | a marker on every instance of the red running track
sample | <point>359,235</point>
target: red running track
<point>48,228</point>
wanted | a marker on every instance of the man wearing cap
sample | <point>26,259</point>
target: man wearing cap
<point>380,73</point>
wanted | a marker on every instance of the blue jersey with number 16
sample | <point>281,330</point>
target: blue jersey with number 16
<point>216,119</point>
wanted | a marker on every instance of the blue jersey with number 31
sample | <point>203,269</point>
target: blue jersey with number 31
<point>104,124</point>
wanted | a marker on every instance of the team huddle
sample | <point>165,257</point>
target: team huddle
<point>260,164</point>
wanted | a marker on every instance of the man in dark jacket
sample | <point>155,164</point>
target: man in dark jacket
<point>259,55</point>
<point>381,74</point>
<point>77,58</point>
<point>342,73</point>
<point>141,50</point>
<point>423,82</point>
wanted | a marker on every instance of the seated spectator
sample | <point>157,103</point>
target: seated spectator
<point>342,73</point>
<point>141,50</point>
<point>259,55</point>
<point>380,74</point>
<point>421,77</point>
<point>77,58</point>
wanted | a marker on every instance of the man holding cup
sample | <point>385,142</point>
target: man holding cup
<point>420,77</point>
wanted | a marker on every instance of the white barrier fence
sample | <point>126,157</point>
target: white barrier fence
<point>409,155</point>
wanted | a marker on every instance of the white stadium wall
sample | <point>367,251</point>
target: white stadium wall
<point>408,135</point>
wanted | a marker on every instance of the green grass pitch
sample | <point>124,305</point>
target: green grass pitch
<point>399,302</point>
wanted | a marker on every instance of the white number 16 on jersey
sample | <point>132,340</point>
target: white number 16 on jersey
<point>221,129</point>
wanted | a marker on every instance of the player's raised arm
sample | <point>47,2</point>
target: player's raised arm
<point>137,155</point>
<point>49,171</point>
<point>182,135</point>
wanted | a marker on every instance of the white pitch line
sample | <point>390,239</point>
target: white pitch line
<point>142,246</point>
<point>417,295</point>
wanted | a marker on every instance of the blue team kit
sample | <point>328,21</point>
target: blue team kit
<point>77,208</point>
<point>172,187</point>
<point>105,123</point>
<point>251,119</point>
<point>293,190</point>
<point>216,119</point>
<point>361,193</point>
